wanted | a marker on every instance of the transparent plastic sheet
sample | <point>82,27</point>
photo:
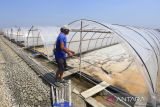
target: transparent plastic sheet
<point>6,31</point>
<point>42,39</point>
<point>144,49</point>
<point>147,51</point>
<point>157,37</point>
<point>142,46</point>
<point>33,39</point>
<point>22,34</point>
<point>155,55</point>
<point>49,36</point>
<point>9,33</point>
<point>90,40</point>
<point>13,33</point>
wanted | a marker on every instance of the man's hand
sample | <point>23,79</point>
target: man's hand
<point>73,52</point>
<point>70,54</point>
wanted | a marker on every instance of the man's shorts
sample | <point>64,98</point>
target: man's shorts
<point>61,64</point>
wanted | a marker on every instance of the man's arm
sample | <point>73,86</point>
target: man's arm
<point>69,52</point>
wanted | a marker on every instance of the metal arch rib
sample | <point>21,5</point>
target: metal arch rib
<point>102,41</point>
<point>97,40</point>
<point>139,57</point>
<point>155,32</point>
<point>90,41</point>
<point>149,34</point>
<point>154,35</point>
<point>148,43</point>
<point>106,40</point>
<point>71,39</point>
<point>157,48</point>
<point>146,40</point>
<point>84,37</point>
<point>75,34</point>
<point>18,31</point>
<point>29,33</point>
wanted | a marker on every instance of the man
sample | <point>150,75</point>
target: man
<point>60,53</point>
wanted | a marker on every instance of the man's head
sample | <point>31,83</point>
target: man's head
<point>65,29</point>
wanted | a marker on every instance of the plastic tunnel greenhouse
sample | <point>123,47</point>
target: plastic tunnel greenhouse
<point>9,32</point>
<point>141,43</point>
<point>16,34</point>
<point>13,33</point>
<point>42,39</point>
<point>22,33</point>
<point>102,46</point>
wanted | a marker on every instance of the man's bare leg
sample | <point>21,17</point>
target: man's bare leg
<point>61,75</point>
<point>58,75</point>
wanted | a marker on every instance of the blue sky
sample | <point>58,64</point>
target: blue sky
<point>58,12</point>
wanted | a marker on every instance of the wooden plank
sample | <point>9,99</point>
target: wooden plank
<point>139,103</point>
<point>70,72</point>
<point>76,91</point>
<point>99,87</point>
<point>89,100</point>
<point>94,102</point>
